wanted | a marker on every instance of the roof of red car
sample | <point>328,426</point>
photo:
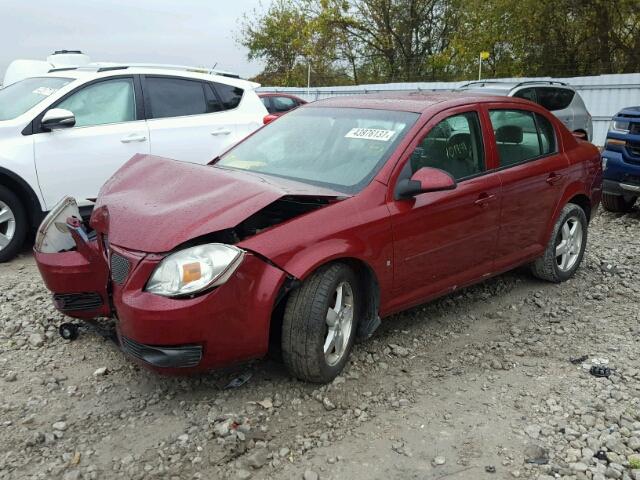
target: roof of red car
<point>415,101</point>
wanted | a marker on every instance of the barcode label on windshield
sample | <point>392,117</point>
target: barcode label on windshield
<point>370,134</point>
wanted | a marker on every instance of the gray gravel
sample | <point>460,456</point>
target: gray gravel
<point>475,385</point>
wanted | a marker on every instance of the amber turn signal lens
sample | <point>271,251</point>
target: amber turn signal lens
<point>191,272</point>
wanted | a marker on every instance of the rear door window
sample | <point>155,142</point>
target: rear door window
<point>453,145</point>
<point>521,135</point>
<point>175,97</point>
<point>553,98</point>
<point>230,95</point>
<point>547,134</point>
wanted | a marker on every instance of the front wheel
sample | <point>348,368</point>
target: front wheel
<point>13,224</point>
<point>565,250</point>
<point>618,203</point>
<point>320,322</point>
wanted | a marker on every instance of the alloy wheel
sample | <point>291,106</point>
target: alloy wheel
<point>570,244</point>
<point>339,324</point>
<point>7,225</point>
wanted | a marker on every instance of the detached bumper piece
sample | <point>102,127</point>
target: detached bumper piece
<point>74,302</point>
<point>164,357</point>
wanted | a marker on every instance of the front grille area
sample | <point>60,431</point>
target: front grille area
<point>164,357</point>
<point>74,302</point>
<point>634,149</point>
<point>120,267</point>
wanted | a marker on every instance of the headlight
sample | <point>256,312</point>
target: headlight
<point>194,269</point>
<point>618,126</point>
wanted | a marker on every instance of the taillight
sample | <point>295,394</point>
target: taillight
<point>269,118</point>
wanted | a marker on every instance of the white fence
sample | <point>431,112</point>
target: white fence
<point>604,95</point>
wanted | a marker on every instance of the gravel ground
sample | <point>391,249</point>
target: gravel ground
<point>475,385</point>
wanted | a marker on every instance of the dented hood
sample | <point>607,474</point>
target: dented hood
<point>153,204</point>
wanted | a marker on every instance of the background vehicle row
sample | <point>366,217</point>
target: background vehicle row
<point>67,132</point>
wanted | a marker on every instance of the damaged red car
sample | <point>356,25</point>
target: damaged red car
<point>309,231</point>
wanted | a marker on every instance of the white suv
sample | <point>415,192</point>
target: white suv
<point>66,132</point>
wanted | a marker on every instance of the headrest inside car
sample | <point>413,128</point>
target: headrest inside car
<point>509,134</point>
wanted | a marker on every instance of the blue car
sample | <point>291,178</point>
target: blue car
<point>621,161</point>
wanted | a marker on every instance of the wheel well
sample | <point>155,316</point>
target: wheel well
<point>583,202</point>
<point>364,272</point>
<point>25,194</point>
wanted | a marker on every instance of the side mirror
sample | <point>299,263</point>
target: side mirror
<point>269,118</point>
<point>58,118</point>
<point>426,179</point>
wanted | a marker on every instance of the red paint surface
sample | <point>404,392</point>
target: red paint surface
<point>418,248</point>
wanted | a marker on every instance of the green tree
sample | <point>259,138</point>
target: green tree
<point>369,41</point>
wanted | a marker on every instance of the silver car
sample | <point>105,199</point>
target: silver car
<point>559,98</point>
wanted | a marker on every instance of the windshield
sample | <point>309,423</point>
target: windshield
<point>339,148</point>
<point>21,96</point>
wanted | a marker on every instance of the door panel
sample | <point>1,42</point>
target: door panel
<point>187,120</point>
<point>197,139</point>
<point>78,161</point>
<point>443,240</point>
<point>533,178</point>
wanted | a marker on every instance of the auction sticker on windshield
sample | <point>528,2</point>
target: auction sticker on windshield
<point>370,134</point>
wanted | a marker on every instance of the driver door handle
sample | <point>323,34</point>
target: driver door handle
<point>134,137</point>
<point>554,178</point>
<point>484,199</point>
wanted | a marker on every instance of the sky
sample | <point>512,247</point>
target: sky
<point>182,32</point>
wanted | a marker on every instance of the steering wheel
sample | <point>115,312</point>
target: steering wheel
<point>459,148</point>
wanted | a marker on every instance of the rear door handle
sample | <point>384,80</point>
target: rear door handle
<point>221,131</point>
<point>484,200</point>
<point>134,137</point>
<point>554,178</point>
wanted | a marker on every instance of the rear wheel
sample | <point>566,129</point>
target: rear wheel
<point>320,322</point>
<point>618,203</point>
<point>565,250</point>
<point>13,224</point>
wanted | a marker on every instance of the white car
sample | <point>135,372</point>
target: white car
<point>66,132</point>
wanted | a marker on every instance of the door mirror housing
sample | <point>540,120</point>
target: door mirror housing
<point>426,179</point>
<point>57,118</point>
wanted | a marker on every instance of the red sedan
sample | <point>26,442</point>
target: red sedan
<point>311,229</point>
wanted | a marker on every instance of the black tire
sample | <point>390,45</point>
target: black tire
<point>21,224</point>
<point>546,267</point>
<point>618,203</point>
<point>304,325</point>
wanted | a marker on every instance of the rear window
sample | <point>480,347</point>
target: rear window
<point>229,95</point>
<point>554,98</point>
<point>21,96</point>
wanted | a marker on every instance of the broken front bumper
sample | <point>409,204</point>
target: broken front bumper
<point>178,335</point>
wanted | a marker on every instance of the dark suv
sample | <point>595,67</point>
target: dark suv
<point>621,161</point>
